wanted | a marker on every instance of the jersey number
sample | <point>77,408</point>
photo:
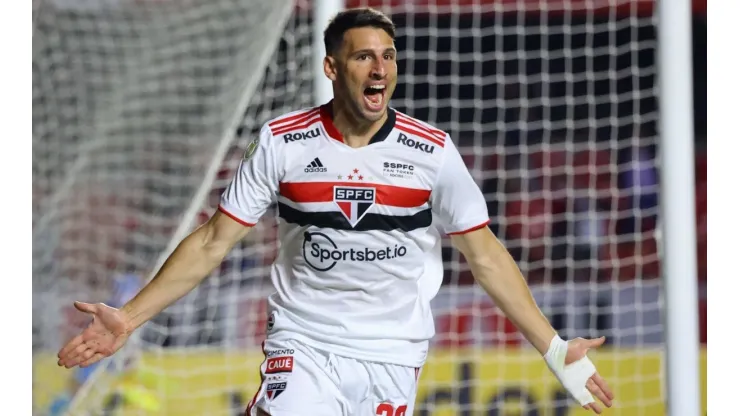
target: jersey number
<point>386,409</point>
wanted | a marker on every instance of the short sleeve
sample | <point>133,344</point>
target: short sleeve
<point>456,199</point>
<point>255,183</point>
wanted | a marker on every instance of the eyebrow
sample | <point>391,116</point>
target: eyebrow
<point>371,51</point>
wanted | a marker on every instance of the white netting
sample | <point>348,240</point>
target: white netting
<point>135,105</point>
<point>552,103</point>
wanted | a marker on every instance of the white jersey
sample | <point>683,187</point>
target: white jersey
<point>359,260</point>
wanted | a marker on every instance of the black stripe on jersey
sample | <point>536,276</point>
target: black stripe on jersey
<point>370,222</point>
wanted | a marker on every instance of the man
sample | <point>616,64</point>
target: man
<point>356,185</point>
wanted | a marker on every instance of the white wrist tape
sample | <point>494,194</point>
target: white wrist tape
<point>572,376</point>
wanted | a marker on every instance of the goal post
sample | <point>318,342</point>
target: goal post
<point>323,11</point>
<point>678,225</point>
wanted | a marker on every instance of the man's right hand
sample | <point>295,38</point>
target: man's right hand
<point>105,335</point>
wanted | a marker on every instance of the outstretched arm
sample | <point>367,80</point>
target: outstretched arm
<point>497,273</point>
<point>461,207</point>
<point>245,200</point>
<point>193,259</point>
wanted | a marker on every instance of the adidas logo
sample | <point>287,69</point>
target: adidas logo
<point>315,166</point>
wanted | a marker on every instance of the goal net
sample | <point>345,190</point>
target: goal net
<point>136,105</point>
<point>141,112</point>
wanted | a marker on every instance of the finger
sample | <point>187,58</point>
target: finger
<point>86,355</point>
<point>70,362</point>
<point>94,359</point>
<point>75,352</point>
<point>597,342</point>
<point>71,345</point>
<point>596,391</point>
<point>603,385</point>
<point>77,360</point>
<point>86,307</point>
<point>75,355</point>
<point>593,407</point>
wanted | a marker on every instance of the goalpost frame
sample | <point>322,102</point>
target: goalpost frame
<point>323,11</point>
<point>678,216</point>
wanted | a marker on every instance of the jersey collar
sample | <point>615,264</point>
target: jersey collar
<point>327,119</point>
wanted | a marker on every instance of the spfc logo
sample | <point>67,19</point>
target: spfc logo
<point>274,389</point>
<point>354,202</point>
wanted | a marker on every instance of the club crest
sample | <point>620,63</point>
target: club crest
<point>354,202</point>
<point>274,389</point>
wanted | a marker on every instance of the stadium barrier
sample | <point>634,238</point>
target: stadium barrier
<point>483,382</point>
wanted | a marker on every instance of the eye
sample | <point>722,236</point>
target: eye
<point>363,57</point>
<point>389,56</point>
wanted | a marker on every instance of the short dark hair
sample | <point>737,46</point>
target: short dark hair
<point>354,18</point>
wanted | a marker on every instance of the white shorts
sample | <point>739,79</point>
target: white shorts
<point>298,380</point>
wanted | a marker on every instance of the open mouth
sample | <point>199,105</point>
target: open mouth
<point>374,95</point>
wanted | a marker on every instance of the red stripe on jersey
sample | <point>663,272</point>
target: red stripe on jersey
<point>434,132</point>
<point>417,133</point>
<point>295,118</point>
<point>393,196</point>
<point>295,126</point>
<point>477,227</point>
<point>235,218</point>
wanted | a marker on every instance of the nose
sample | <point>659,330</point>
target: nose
<point>378,71</point>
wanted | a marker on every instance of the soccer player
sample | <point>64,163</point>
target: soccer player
<point>357,185</point>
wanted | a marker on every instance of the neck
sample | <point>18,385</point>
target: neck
<point>357,132</point>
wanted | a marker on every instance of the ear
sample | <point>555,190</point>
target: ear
<point>330,68</point>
